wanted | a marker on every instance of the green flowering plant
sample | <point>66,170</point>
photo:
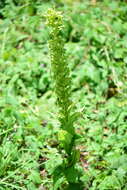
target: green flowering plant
<point>62,85</point>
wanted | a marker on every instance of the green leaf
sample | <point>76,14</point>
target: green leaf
<point>35,177</point>
<point>118,53</point>
<point>125,59</point>
<point>110,182</point>
<point>71,175</point>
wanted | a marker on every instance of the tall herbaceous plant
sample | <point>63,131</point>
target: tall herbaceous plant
<point>62,85</point>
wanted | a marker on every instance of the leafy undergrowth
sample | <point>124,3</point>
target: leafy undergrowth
<point>97,52</point>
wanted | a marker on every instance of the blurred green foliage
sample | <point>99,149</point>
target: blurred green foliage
<point>96,47</point>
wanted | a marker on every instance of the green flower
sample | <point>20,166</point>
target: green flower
<point>60,70</point>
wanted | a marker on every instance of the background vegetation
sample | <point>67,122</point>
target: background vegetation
<point>96,44</point>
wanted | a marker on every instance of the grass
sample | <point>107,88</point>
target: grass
<point>95,39</point>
